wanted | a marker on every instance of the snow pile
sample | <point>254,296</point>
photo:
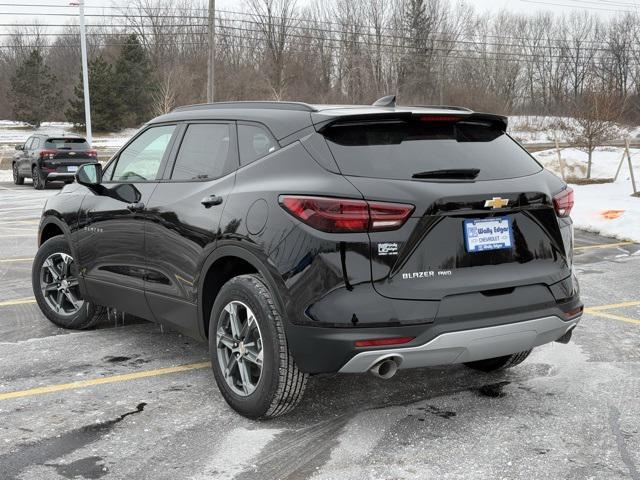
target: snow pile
<point>608,208</point>
<point>604,163</point>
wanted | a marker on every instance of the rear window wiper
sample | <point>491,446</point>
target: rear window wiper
<point>449,174</point>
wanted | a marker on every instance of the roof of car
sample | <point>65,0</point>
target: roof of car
<point>286,118</point>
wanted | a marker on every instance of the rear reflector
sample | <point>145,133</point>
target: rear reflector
<point>563,202</point>
<point>574,312</point>
<point>341,215</point>
<point>379,342</point>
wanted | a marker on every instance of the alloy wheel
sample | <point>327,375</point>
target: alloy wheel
<point>239,345</point>
<point>59,284</point>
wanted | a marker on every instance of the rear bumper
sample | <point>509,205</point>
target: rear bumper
<point>468,345</point>
<point>59,176</point>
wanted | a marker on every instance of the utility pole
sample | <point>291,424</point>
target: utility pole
<point>211,54</point>
<point>85,71</point>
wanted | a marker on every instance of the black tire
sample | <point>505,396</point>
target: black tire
<point>87,316</point>
<point>38,180</point>
<point>499,363</point>
<point>281,385</point>
<point>17,178</point>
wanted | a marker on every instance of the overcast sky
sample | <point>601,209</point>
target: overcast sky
<point>45,14</point>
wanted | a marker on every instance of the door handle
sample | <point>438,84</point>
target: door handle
<point>211,200</point>
<point>135,207</point>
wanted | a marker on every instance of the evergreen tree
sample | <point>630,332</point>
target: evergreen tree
<point>34,93</point>
<point>134,81</point>
<point>106,106</point>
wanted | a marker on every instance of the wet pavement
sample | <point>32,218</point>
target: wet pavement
<point>569,411</point>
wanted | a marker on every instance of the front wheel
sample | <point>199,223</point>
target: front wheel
<point>499,363</point>
<point>39,181</point>
<point>252,365</point>
<point>17,178</point>
<point>54,278</point>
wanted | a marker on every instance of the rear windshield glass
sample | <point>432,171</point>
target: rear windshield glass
<point>67,143</point>
<point>402,149</point>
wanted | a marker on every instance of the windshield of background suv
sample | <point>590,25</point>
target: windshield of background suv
<point>67,143</point>
<point>400,149</point>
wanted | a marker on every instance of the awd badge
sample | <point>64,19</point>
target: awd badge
<point>387,249</point>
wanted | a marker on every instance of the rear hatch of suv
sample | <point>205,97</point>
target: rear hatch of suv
<point>65,154</point>
<point>484,220</point>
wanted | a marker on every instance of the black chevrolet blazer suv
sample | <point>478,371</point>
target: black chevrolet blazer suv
<point>302,239</point>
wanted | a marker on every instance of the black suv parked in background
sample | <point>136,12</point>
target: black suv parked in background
<point>299,239</point>
<point>48,159</point>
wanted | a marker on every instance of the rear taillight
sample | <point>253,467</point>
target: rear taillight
<point>47,153</point>
<point>92,153</point>
<point>341,215</point>
<point>563,202</point>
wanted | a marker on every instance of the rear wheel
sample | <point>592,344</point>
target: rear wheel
<point>55,286</point>
<point>499,363</point>
<point>38,179</point>
<point>251,362</point>
<point>17,178</point>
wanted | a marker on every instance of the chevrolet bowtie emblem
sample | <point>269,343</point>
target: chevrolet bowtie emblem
<point>496,202</point>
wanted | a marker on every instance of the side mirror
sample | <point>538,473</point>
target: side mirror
<point>19,147</point>
<point>89,174</point>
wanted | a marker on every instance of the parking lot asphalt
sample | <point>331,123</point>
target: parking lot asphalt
<point>131,401</point>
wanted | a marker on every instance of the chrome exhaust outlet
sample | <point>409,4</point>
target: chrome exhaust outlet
<point>385,368</point>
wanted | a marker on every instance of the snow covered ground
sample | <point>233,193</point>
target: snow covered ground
<point>608,208</point>
<point>541,129</point>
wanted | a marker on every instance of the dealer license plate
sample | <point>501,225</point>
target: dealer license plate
<point>486,234</point>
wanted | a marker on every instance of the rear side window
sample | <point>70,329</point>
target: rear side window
<point>400,149</point>
<point>204,152</point>
<point>67,143</point>
<point>254,142</point>
<point>35,144</point>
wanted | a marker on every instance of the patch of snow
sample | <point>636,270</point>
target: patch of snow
<point>593,201</point>
<point>13,133</point>
<point>543,129</point>
<point>235,453</point>
<point>604,163</point>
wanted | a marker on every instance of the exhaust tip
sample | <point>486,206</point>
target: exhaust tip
<point>385,369</point>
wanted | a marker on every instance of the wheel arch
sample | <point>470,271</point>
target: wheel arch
<point>224,263</point>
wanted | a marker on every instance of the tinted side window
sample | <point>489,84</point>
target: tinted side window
<point>204,152</point>
<point>141,159</point>
<point>254,142</point>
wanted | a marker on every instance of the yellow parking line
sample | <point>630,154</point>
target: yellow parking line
<point>102,380</point>
<point>604,245</point>
<point>621,318</point>
<point>613,305</point>
<point>20,301</point>
<point>15,260</point>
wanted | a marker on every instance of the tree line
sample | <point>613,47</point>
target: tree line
<point>150,56</point>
